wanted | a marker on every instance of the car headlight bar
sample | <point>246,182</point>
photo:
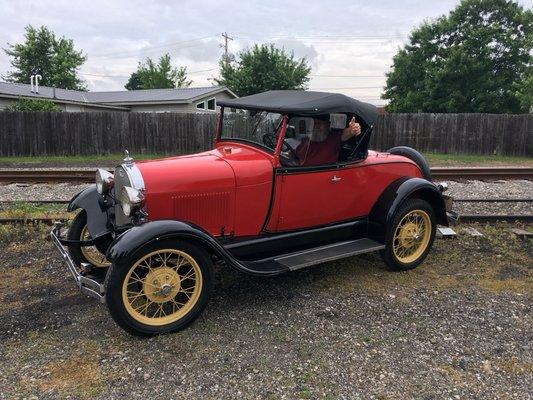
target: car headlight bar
<point>131,200</point>
<point>104,181</point>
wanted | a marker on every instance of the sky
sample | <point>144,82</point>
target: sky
<point>348,44</point>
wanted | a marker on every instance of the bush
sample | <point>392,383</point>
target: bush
<point>33,105</point>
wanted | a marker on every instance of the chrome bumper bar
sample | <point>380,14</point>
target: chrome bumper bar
<point>86,285</point>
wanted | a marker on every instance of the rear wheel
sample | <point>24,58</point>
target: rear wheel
<point>163,290</point>
<point>410,236</point>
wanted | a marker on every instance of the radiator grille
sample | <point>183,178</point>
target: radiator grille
<point>121,180</point>
<point>211,211</point>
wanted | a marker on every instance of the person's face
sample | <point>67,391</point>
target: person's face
<point>320,130</point>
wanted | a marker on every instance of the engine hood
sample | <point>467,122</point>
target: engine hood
<point>186,174</point>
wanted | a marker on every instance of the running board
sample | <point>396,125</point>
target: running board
<point>329,252</point>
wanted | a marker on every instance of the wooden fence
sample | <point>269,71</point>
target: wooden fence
<point>58,134</point>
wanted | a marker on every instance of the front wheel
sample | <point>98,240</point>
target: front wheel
<point>410,236</point>
<point>84,254</point>
<point>163,290</point>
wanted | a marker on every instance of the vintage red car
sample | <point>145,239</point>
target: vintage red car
<point>278,192</point>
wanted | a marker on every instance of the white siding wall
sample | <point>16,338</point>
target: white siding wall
<point>180,108</point>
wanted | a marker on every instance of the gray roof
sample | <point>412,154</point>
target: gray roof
<point>181,95</point>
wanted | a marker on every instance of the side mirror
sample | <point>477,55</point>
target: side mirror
<point>337,121</point>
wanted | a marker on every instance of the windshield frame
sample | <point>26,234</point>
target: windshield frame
<point>281,136</point>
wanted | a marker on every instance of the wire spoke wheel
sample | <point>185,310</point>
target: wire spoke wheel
<point>91,253</point>
<point>162,287</point>
<point>412,236</point>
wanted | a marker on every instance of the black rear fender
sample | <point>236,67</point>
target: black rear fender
<point>395,194</point>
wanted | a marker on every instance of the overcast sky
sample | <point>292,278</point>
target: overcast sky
<point>349,44</point>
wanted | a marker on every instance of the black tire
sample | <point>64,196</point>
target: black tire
<point>389,255</point>
<point>124,315</point>
<point>75,232</point>
<point>415,156</point>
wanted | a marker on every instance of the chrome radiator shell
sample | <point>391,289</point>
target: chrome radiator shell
<point>127,174</point>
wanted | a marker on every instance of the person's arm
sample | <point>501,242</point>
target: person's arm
<point>353,129</point>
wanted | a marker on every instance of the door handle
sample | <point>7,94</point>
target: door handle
<point>335,179</point>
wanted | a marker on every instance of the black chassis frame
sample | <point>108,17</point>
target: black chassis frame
<point>252,255</point>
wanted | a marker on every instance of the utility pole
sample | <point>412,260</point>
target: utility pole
<point>225,46</point>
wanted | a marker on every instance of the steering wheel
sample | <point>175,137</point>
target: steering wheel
<point>290,155</point>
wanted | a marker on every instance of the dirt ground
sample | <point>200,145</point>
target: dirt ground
<point>457,327</point>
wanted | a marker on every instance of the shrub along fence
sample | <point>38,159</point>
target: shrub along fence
<point>63,134</point>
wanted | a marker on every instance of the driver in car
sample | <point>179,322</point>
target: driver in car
<point>323,145</point>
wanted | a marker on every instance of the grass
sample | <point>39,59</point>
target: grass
<point>440,159</point>
<point>67,161</point>
<point>22,209</point>
<point>434,159</point>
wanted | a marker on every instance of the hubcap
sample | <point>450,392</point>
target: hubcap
<point>162,287</point>
<point>161,284</point>
<point>411,237</point>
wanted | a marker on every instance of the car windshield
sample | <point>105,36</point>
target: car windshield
<point>257,127</point>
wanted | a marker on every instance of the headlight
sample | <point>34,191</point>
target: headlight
<point>131,200</point>
<point>104,181</point>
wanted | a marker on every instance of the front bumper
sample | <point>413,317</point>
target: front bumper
<point>88,286</point>
<point>452,215</point>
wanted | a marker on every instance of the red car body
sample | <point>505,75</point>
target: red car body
<point>234,190</point>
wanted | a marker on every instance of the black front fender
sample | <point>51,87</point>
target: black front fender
<point>395,194</point>
<point>100,213</point>
<point>127,247</point>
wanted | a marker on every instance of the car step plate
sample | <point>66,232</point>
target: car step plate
<point>329,252</point>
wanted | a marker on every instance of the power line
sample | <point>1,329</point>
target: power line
<point>127,76</point>
<point>351,88</point>
<point>150,48</point>
<point>347,76</point>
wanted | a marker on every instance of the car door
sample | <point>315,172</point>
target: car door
<point>306,198</point>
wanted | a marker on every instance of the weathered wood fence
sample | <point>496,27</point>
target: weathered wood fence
<point>47,134</point>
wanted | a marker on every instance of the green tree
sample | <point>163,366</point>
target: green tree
<point>162,75</point>
<point>476,59</point>
<point>55,59</point>
<point>261,68</point>
<point>23,104</point>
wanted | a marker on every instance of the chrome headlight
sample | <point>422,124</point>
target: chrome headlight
<point>131,200</point>
<point>104,181</point>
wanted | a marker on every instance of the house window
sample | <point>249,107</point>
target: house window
<point>201,105</point>
<point>212,104</point>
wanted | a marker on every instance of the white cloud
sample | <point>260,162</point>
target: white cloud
<point>337,37</point>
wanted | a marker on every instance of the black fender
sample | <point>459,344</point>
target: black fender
<point>125,248</point>
<point>100,211</point>
<point>395,194</point>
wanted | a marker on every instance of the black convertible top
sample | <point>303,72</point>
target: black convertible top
<point>304,103</point>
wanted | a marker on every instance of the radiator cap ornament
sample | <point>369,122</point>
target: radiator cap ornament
<point>127,159</point>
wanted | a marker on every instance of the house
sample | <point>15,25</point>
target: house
<point>184,100</point>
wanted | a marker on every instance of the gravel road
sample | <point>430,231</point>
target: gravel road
<point>457,327</point>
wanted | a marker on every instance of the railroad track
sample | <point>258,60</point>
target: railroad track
<point>438,173</point>
<point>462,219</point>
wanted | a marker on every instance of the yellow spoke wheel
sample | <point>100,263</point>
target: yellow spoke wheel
<point>412,236</point>
<point>91,253</point>
<point>162,287</point>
